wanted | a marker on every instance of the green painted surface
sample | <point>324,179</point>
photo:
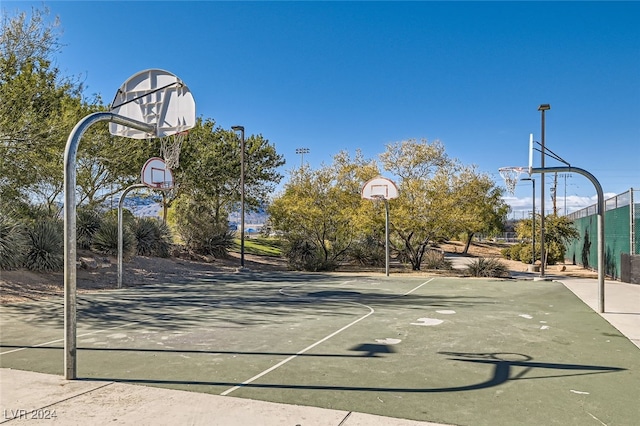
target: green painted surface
<point>456,351</point>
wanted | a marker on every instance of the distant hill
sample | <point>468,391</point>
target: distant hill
<point>149,207</point>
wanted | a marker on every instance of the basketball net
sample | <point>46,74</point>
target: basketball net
<point>511,176</point>
<point>378,200</point>
<point>170,149</point>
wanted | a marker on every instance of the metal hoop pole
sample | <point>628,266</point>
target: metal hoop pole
<point>386,236</point>
<point>120,223</point>
<point>600,213</point>
<point>70,152</point>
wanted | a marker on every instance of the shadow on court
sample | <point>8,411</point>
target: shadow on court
<point>229,298</point>
<point>454,351</point>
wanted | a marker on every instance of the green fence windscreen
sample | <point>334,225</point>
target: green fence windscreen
<point>621,236</point>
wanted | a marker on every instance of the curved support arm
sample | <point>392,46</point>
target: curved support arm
<point>120,233</point>
<point>70,153</point>
<point>600,212</point>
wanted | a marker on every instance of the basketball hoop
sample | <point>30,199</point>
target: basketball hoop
<point>156,175</point>
<point>170,149</point>
<point>379,188</point>
<point>511,176</point>
<point>164,186</point>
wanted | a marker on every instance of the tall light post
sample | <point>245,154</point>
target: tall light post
<point>302,152</point>
<point>533,225</point>
<point>241,130</point>
<point>542,108</point>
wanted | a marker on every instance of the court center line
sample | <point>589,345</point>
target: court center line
<point>308,348</point>
<point>82,335</point>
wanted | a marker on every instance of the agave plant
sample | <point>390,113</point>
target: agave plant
<point>105,240</point>
<point>153,238</point>
<point>13,243</point>
<point>487,267</point>
<point>45,246</point>
<point>88,222</point>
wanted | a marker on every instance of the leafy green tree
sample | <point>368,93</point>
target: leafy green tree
<point>421,214</point>
<point>210,169</point>
<point>476,203</point>
<point>39,109</point>
<point>321,212</point>
<point>559,231</point>
<point>34,96</point>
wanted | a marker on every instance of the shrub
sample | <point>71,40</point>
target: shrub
<point>201,231</point>
<point>300,253</point>
<point>555,252</point>
<point>525,254</point>
<point>153,237</point>
<point>88,221</point>
<point>367,252</point>
<point>13,243</point>
<point>518,250</point>
<point>506,252</point>
<point>434,259</point>
<point>105,240</point>
<point>215,241</point>
<point>487,267</point>
<point>304,255</point>
<point>45,252</point>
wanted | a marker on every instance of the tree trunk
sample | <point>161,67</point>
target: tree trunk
<point>468,243</point>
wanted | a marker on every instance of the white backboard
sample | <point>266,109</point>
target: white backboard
<point>155,97</point>
<point>530,152</point>
<point>379,187</point>
<point>156,175</point>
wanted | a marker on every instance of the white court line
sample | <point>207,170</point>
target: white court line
<point>281,363</point>
<point>426,282</point>
<point>82,335</point>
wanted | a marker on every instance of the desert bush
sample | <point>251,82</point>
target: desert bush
<point>13,243</point>
<point>555,252</point>
<point>216,241</point>
<point>153,237</point>
<point>487,267</point>
<point>367,252</point>
<point>88,221</point>
<point>506,252</point>
<point>434,259</point>
<point>300,253</point>
<point>200,229</point>
<point>105,240</point>
<point>516,251</point>
<point>45,251</point>
<point>303,255</point>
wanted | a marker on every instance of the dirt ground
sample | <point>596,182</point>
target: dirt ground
<point>22,286</point>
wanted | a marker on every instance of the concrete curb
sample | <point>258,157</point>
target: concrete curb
<point>25,395</point>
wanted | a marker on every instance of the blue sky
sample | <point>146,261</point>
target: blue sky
<point>330,76</point>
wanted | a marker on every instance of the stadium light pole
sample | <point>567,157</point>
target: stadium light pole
<point>302,152</point>
<point>533,225</point>
<point>241,130</point>
<point>543,258</point>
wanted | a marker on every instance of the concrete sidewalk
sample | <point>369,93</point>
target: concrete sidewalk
<point>621,303</point>
<point>26,395</point>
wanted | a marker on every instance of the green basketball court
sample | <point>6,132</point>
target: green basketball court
<point>448,350</point>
